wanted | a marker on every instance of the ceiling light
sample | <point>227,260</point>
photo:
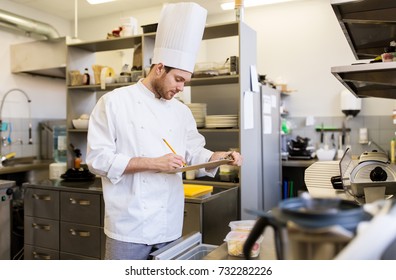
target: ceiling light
<point>94,2</point>
<point>252,3</point>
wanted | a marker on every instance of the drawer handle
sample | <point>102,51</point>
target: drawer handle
<point>80,202</point>
<point>41,197</point>
<point>41,226</point>
<point>80,233</point>
<point>41,256</point>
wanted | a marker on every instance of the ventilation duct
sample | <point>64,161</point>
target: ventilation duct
<point>14,21</point>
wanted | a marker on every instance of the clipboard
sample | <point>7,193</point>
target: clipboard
<point>209,165</point>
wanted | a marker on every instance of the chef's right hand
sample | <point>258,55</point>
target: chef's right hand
<point>169,162</point>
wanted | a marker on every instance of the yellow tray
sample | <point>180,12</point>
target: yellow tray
<point>192,190</point>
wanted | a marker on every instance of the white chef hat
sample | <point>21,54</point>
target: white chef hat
<point>179,34</point>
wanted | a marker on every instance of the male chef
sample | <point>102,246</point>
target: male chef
<point>138,134</point>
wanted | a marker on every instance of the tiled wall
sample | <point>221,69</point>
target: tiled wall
<point>381,130</point>
<point>19,136</point>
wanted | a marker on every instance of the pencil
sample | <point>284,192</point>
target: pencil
<point>173,151</point>
<point>169,146</point>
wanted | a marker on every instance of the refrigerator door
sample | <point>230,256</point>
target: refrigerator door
<point>271,149</point>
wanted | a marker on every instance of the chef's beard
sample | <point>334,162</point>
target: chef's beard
<point>159,89</point>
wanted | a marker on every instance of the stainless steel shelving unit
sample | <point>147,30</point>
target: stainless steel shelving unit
<point>369,26</point>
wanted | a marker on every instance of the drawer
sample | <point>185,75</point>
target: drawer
<point>67,256</point>
<point>192,218</point>
<point>80,239</point>
<point>41,232</point>
<point>41,203</point>
<point>37,253</point>
<point>80,208</point>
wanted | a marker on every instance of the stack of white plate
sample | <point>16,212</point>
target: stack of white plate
<point>199,112</point>
<point>221,121</point>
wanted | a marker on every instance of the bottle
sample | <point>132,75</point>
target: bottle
<point>86,77</point>
<point>392,150</point>
<point>77,159</point>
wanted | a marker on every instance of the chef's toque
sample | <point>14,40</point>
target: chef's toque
<point>179,34</point>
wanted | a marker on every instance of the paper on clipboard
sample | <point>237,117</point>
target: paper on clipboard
<point>209,165</point>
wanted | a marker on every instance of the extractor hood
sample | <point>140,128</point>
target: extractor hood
<point>43,58</point>
<point>369,26</point>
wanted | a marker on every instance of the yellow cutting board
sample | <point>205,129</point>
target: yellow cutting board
<point>193,190</point>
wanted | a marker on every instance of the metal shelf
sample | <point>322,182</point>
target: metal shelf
<point>109,45</point>
<point>369,26</point>
<point>97,87</point>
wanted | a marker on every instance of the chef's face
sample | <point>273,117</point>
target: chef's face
<point>170,81</point>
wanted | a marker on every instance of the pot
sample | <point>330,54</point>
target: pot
<point>308,222</point>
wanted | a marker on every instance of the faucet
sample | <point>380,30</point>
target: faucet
<point>3,139</point>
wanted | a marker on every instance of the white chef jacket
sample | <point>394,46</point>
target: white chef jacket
<point>143,207</point>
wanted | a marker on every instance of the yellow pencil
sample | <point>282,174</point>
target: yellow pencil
<point>173,151</point>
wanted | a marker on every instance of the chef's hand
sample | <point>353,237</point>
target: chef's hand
<point>234,156</point>
<point>169,162</point>
<point>164,163</point>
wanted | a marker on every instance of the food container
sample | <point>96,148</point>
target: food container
<point>76,78</point>
<point>243,225</point>
<point>124,79</point>
<point>235,241</point>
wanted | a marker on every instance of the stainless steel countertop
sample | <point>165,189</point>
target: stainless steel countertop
<point>267,249</point>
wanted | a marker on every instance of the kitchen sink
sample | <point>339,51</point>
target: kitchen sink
<point>19,161</point>
<point>198,252</point>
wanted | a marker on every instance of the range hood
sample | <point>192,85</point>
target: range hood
<point>369,26</point>
<point>43,58</point>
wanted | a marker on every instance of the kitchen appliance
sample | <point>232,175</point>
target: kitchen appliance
<point>353,179</point>
<point>298,148</point>
<point>372,170</point>
<point>309,228</point>
<point>187,247</point>
<point>6,195</point>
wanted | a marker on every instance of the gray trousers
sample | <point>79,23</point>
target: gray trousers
<point>120,250</point>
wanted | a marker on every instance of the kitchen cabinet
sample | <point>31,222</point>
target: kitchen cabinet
<point>212,215</point>
<point>369,26</point>
<point>64,220</point>
<point>223,94</point>
<point>63,223</point>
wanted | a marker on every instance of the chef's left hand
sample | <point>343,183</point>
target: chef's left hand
<point>234,156</point>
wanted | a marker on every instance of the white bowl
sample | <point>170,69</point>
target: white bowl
<point>325,154</point>
<point>80,124</point>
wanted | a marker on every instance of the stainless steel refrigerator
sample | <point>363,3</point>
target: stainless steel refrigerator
<point>260,135</point>
<point>271,147</point>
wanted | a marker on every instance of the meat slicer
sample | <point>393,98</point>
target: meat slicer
<point>352,178</point>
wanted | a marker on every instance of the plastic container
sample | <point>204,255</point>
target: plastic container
<point>243,225</point>
<point>235,241</point>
